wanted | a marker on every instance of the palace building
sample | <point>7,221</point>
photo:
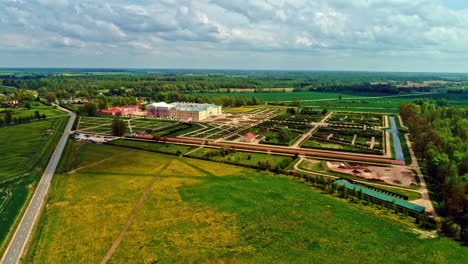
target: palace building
<point>183,111</point>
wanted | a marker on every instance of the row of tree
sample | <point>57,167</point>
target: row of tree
<point>87,86</point>
<point>357,196</point>
<point>440,138</point>
<point>10,118</point>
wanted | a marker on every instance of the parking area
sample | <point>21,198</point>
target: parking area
<point>91,138</point>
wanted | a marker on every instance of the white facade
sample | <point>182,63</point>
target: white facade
<point>183,111</point>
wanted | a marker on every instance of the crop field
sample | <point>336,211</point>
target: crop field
<point>24,146</point>
<point>238,109</point>
<point>13,195</point>
<point>290,96</point>
<point>357,109</point>
<point>349,101</point>
<point>24,152</point>
<point>49,111</point>
<point>382,105</point>
<point>348,98</point>
<point>204,212</point>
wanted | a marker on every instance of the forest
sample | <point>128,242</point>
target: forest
<point>146,85</point>
<point>440,137</point>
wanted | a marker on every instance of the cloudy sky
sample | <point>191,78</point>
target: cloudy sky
<point>380,35</point>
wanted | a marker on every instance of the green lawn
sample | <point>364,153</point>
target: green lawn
<point>290,96</point>
<point>26,146</point>
<point>358,109</point>
<point>103,124</point>
<point>315,144</point>
<point>36,106</point>
<point>163,147</point>
<point>243,157</point>
<point>25,151</point>
<point>379,105</point>
<point>411,195</point>
<point>205,212</point>
<point>350,101</point>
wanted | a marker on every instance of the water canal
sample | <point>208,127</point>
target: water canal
<point>396,139</point>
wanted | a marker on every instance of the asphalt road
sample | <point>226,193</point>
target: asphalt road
<point>23,232</point>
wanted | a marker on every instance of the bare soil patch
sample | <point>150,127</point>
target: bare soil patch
<point>399,175</point>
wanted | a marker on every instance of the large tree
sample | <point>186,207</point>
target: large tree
<point>118,127</point>
<point>8,116</point>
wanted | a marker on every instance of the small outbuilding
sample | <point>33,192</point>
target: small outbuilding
<point>249,137</point>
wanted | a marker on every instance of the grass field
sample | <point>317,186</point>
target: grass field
<point>204,212</point>
<point>25,146</point>
<point>25,151</point>
<point>36,106</point>
<point>290,96</point>
<point>163,147</point>
<point>243,157</point>
<point>350,101</point>
<point>357,109</point>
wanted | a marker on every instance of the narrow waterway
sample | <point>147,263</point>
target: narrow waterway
<point>396,139</point>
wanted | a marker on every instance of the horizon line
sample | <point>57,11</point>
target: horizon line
<point>229,69</point>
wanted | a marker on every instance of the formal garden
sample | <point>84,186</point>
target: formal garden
<point>356,119</point>
<point>350,132</point>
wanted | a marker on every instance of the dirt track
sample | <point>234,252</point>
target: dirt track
<point>135,210</point>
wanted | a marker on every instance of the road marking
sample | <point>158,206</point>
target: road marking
<point>32,212</point>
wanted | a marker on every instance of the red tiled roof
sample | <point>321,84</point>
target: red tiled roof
<point>131,106</point>
<point>249,135</point>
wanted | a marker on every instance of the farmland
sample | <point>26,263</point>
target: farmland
<point>26,146</point>
<point>290,96</point>
<point>25,151</point>
<point>49,111</point>
<point>200,211</point>
<point>351,101</point>
<point>387,104</point>
<point>348,98</point>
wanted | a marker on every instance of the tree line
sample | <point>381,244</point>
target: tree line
<point>358,196</point>
<point>10,119</point>
<point>146,85</point>
<point>440,140</point>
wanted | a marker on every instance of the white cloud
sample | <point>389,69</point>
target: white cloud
<point>54,2</point>
<point>303,40</point>
<point>363,28</point>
